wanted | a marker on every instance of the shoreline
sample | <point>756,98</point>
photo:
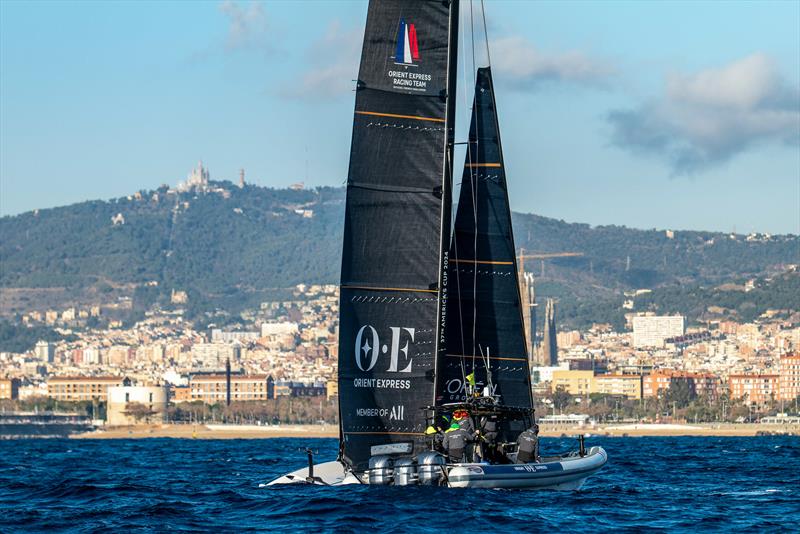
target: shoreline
<point>221,431</point>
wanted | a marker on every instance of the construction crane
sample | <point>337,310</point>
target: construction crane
<point>543,256</point>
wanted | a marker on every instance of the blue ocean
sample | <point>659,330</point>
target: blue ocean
<point>157,485</point>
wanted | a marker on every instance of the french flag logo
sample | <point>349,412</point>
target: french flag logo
<point>407,49</point>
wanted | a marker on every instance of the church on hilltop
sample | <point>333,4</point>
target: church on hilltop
<point>197,180</point>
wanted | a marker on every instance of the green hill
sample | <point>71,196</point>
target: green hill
<point>228,247</point>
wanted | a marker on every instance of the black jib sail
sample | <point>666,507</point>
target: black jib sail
<point>484,313</point>
<point>396,196</point>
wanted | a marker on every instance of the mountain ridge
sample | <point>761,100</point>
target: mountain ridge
<point>227,243</point>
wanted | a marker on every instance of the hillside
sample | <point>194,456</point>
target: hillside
<point>229,246</point>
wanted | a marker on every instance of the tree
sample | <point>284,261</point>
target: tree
<point>679,394</point>
<point>139,411</point>
<point>561,398</point>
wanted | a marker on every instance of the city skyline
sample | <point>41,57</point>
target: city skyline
<point>607,116</point>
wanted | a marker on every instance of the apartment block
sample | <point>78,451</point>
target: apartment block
<point>653,330</point>
<point>213,388</point>
<point>573,382</point>
<point>9,388</point>
<point>790,377</point>
<point>754,388</point>
<point>83,388</point>
<point>629,386</point>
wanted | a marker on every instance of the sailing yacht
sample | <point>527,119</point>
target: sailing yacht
<point>430,310</point>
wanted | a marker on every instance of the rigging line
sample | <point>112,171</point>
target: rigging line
<point>462,335</point>
<point>486,36</point>
<point>474,189</point>
<point>472,36</point>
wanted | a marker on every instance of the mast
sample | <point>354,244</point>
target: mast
<point>392,249</point>
<point>447,192</point>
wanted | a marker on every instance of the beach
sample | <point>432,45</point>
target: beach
<point>221,431</point>
<point>212,431</point>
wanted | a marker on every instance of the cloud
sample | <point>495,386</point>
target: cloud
<point>518,60</point>
<point>704,119</point>
<point>329,75</point>
<point>247,26</point>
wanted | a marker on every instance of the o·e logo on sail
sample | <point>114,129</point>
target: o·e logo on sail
<point>368,347</point>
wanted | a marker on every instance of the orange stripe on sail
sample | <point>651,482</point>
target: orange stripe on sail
<point>409,289</point>
<point>389,433</point>
<point>478,357</point>
<point>395,116</point>
<point>484,262</point>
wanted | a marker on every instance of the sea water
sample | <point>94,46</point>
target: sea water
<point>158,485</point>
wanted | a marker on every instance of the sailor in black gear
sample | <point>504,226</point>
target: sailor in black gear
<point>464,420</point>
<point>455,443</point>
<point>528,445</point>
<point>435,432</point>
<point>488,438</point>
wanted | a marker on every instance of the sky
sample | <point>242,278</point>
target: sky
<point>668,115</point>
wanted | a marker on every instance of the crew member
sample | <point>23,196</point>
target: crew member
<point>464,420</point>
<point>436,431</point>
<point>487,438</point>
<point>455,442</point>
<point>528,445</point>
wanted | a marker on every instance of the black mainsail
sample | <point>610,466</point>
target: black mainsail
<point>397,210</point>
<point>485,320</point>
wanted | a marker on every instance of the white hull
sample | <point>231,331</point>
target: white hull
<point>559,474</point>
<point>567,473</point>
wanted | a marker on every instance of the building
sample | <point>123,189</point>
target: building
<point>180,394</point>
<point>754,388</point>
<point>573,382</point>
<point>45,352</point>
<point>119,355</point>
<point>214,355</point>
<point>179,297</point>
<point>545,374</point>
<point>279,329</point>
<point>650,331</point>
<point>83,388</point>
<point>91,355</point>
<point>571,420</point>
<point>528,294</point>
<point>219,336</point>
<point>656,382</point>
<point>299,389</point>
<point>549,342</point>
<point>129,405</point>
<point>629,386</point>
<point>686,340</point>
<point>197,179</point>
<point>569,339</point>
<point>9,388</point>
<point>212,388</point>
<point>700,384</point>
<point>706,385</point>
<point>790,377</point>
<point>332,389</point>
